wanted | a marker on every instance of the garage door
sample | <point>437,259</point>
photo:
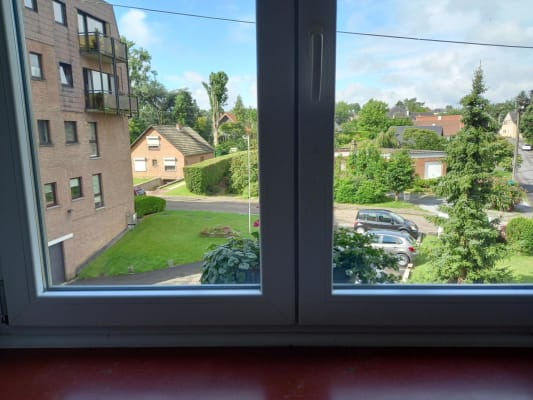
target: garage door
<point>432,169</point>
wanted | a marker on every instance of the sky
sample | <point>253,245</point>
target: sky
<point>185,49</point>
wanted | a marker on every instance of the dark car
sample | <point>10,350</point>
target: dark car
<point>368,219</point>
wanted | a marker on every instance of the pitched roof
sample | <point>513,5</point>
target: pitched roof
<point>451,124</point>
<point>183,138</point>
<point>400,129</point>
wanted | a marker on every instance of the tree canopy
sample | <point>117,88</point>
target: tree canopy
<point>218,96</point>
<point>373,117</point>
<point>422,139</point>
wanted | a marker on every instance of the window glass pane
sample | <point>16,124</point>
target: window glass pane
<point>30,4</point>
<point>429,144</point>
<point>50,194</point>
<point>43,128</point>
<point>59,12</point>
<point>35,63</point>
<point>174,119</point>
<point>71,134</point>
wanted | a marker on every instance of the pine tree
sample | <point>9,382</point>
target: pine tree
<point>469,247</point>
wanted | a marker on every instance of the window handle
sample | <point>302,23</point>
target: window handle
<point>317,59</point>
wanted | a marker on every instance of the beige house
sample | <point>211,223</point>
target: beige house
<point>509,126</point>
<point>80,103</point>
<point>163,150</point>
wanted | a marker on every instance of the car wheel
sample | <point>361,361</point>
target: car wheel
<point>360,230</point>
<point>403,259</point>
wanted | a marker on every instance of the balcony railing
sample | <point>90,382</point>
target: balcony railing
<point>96,43</point>
<point>111,103</point>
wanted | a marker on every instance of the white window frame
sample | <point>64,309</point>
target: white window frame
<point>169,162</point>
<point>139,164</point>
<point>296,226</point>
<point>31,306</point>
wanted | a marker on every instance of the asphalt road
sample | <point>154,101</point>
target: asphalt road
<point>524,174</point>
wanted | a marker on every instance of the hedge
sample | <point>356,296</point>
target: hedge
<point>519,234</point>
<point>145,205</point>
<point>203,177</point>
<point>239,173</point>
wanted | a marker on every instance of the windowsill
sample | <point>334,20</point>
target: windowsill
<point>63,86</point>
<point>71,143</point>
<point>99,208</point>
<point>78,199</point>
<point>34,78</point>
<point>46,145</point>
<point>53,207</point>
<point>95,157</point>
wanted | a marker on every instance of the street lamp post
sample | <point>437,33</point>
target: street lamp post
<point>249,187</point>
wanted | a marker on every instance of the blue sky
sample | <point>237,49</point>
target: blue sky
<point>185,50</point>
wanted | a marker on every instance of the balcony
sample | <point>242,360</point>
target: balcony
<point>111,103</point>
<point>94,44</point>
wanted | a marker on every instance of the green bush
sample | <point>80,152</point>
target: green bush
<point>505,196</point>
<point>519,234</point>
<point>423,185</point>
<point>370,191</point>
<point>236,261</point>
<point>145,205</point>
<point>345,190</point>
<point>239,173</point>
<point>203,177</point>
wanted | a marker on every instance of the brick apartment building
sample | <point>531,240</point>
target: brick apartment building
<point>80,104</point>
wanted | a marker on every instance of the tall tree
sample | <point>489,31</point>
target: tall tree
<point>218,96</point>
<point>412,105</point>
<point>345,112</point>
<point>469,247</point>
<point>373,117</point>
<point>185,109</point>
<point>239,110</point>
<point>399,173</point>
<point>387,139</point>
<point>526,124</point>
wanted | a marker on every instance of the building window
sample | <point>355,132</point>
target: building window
<point>89,24</point>
<point>152,142</point>
<point>169,163</point>
<point>139,164</point>
<point>35,64</point>
<point>60,12</point>
<point>93,140</point>
<point>71,132</point>
<point>65,74</point>
<point>50,198</point>
<point>97,191</point>
<point>154,163</point>
<point>75,188</point>
<point>98,82</point>
<point>31,4</point>
<point>43,126</point>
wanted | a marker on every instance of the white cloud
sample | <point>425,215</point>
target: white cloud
<point>133,26</point>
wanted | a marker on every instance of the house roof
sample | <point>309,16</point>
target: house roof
<point>183,138</point>
<point>512,115</point>
<point>451,124</point>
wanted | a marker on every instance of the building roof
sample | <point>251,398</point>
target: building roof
<point>451,124</point>
<point>183,138</point>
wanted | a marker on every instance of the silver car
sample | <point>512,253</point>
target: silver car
<point>400,244</point>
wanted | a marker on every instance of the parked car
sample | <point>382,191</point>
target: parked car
<point>367,219</point>
<point>399,244</point>
<point>526,147</point>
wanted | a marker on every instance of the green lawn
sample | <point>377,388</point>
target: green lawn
<point>180,189</point>
<point>522,266</point>
<point>170,235</point>
<point>138,181</point>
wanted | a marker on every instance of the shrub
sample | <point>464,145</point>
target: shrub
<point>423,185</point>
<point>505,196</point>
<point>370,191</point>
<point>145,205</point>
<point>519,234</point>
<point>345,190</point>
<point>236,261</point>
<point>219,231</point>
<point>203,177</point>
<point>356,260</point>
<point>239,173</point>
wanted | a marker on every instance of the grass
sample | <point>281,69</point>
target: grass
<point>170,235</point>
<point>180,189</point>
<point>138,181</point>
<point>522,266</point>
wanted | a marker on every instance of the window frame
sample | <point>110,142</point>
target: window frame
<point>79,186</point>
<point>71,127</point>
<point>32,6</point>
<point>93,139</point>
<point>39,59</point>
<point>295,230</point>
<point>65,71</point>
<point>43,129</point>
<point>98,191</point>
<point>63,9</point>
<point>53,191</point>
